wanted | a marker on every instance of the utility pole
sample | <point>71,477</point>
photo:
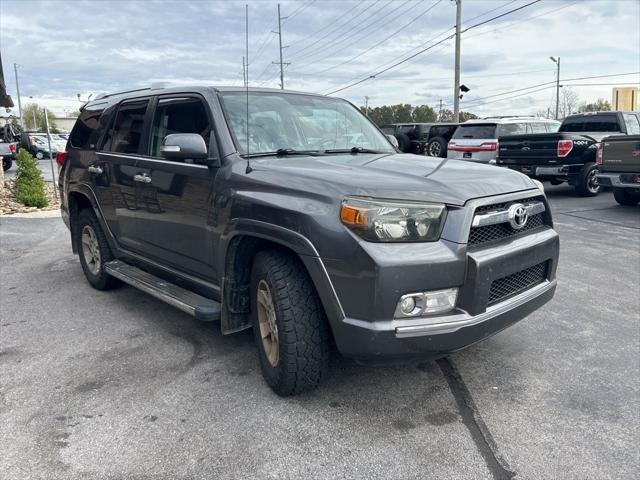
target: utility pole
<point>456,87</point>
<point>366,105</point>
<point>244,73</point>
<point>440,112</point>
<point>53,169</point>
<point>15,71</point>
<point>246,45</point>
<point>281,63</point>
<point>557,62</point>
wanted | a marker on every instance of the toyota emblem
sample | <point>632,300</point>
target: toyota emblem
<point>518,216</point>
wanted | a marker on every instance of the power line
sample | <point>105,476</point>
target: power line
<point>490,11</point>
<point>298,11</point>
<point>367,28</point>
<point>401,29</point>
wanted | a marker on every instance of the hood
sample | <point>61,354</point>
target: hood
<point>394,176</point>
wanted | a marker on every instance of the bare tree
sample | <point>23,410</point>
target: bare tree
<point>569,102</point>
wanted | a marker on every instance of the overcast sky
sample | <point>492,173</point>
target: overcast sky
<point>69,47</point>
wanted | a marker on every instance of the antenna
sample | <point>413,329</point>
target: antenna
<point>246,84</point>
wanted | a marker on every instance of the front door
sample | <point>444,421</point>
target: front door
<point>176,197</point>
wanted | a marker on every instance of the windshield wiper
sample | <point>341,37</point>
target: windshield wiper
<point>352,150</point>
<point>283,152</point>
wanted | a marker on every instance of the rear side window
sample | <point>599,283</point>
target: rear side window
<point>487,131</point>
<point>633,127</point>
<point>512,129</point>
<point>126,134</point>
<point>591,123</point>
<point>87,129</point>
<point>387,130</point>
<point>538,127</point>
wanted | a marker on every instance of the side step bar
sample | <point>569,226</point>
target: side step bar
<point>204,309</point>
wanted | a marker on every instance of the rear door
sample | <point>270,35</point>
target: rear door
<point>115,167</point>
<point>175,198</point>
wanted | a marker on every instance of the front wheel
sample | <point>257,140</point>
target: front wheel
<point>39,155</point>
<point>588,185</point>
<point>626,197</point>
<point>289,324</point>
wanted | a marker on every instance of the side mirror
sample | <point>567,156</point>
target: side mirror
<point>182,146</point>
<point>393,140</point>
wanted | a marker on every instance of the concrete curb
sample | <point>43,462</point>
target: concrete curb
<point>36,214</point>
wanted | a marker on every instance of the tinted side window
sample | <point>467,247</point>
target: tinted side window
<point>476,131</point>
<point>86,131</point>
<point>633,127</point>
<point>178,115</point>
<point>512,129</point>
<point>538,128</point>
<point>126,133</point>
<point>387,130</point>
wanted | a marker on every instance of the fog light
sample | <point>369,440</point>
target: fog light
<point>426,303</point>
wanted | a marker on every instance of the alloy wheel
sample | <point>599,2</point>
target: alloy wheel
<point>91,249</point>
<point>592,181</point>
<point>267,321</point>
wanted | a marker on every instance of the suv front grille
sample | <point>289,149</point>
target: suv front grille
<point>518,282</point>
<point>489,233</point>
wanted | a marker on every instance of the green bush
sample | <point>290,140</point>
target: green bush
<point>29,184</point>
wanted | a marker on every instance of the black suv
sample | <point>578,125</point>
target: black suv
<point>294,214</point>
<point>421,138</point>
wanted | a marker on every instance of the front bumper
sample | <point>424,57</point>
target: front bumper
<point>370,333</point>
<point>380,343</point>
<point>619,180</point>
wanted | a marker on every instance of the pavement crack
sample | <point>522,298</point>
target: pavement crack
<point>471,418</point>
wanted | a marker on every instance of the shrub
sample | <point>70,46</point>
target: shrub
<point>29,183</point>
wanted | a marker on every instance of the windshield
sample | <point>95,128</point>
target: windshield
<point>476,131</point>
<point>286,121</point>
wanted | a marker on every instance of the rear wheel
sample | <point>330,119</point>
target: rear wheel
<point>588,185</point>
<point>39,155</point>
<point>289,324</point>
<point>404,142</point>
<point>626,196</point>
<point>94,251</point>
<point>6,164</point>
<point>437,147</point>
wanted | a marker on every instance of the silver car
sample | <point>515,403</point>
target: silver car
<point>477,140</point>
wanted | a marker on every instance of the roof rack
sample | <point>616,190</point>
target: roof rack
<point>154,86</point>
<point>510,116</point>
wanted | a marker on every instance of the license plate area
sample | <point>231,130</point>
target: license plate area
<point>466,155</point>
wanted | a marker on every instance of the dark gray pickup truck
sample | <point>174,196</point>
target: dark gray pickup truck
<point>618,160</point>
<point>293,214</point>
<point>569,155</point>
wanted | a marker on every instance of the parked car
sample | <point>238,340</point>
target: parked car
<point>477,140</point>
<point>275,217</point>
<point>420,138</point>
<point>8,152</point>
<point>569,155</point>
<point>618,160</point>
<point>38,144</point>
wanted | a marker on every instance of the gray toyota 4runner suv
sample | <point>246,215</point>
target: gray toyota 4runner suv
<point>293,214</point>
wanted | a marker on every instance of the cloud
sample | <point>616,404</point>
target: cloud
<point>93,46</point>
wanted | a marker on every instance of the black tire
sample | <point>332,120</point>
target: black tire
<point>588,185</point>
<point>626,197</point>
<point>555,181</point>
<point>404,143</point>
<point>437,147</point>
<point>301,327</point>
<point>96,275</point>
<point>6,163</point>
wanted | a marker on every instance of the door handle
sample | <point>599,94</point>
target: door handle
<point>95,170</point>
<point>142,178</point>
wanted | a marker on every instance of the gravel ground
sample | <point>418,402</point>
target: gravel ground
<point>117,385</point>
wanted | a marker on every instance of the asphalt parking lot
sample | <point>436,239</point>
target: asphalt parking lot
<point>117,385</point>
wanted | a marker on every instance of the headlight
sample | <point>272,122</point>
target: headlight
<point>389,221</point>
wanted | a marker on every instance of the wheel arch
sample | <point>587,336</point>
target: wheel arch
<point>81,197</point>
<point>238,249</point>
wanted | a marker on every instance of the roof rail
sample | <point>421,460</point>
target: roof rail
<point>154,86</point>
<point>510,116</point>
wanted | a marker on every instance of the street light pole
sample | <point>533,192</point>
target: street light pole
<point>456,87</point>
<point>15,71</point>
<point>557,62</point>
<point>53,169</point>
<point>366,105</point>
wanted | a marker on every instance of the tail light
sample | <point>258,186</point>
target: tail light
<point>12,147</point>
<point>564,147</point>
<point>599,156</point>
<point>60,158</point>
<point>489,146</point>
